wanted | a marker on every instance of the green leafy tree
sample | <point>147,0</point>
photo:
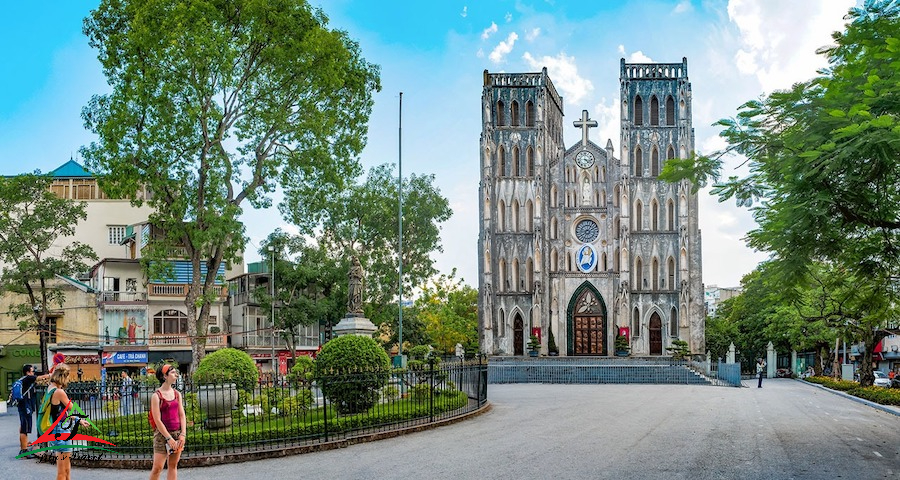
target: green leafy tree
<point>310,286</point>
<point>823,162</point>
<point>449,310</point>
<point>215,104</point>
<point>33,224</point>
<point>362,220</point>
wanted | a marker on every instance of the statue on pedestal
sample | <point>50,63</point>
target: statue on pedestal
<point>355,292</point>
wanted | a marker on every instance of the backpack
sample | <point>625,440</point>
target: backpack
<point>16,395</point>
<point>44,421</point>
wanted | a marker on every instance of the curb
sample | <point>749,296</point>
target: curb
<point>863,401</point>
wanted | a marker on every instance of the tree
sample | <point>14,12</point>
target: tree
<point>33,223</point>
<point>824,162</point>
<point>310,286</point>
<point>449,310</point>
<point>215,104</point>
<point>361,220</point>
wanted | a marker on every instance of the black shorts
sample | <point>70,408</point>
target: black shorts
<point>25,420</point>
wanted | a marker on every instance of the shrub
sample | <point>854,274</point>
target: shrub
<point>390,392</point>
<point>679,349</point>
<point>297,403</point>
<point>351,370</point>
<point>228,365</point>
<point>419,352</point>
<point>302,371</point>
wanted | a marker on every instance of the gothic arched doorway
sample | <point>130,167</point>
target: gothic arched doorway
<point>518,335</point>
<point>655,334</point>
<point>586,322</point>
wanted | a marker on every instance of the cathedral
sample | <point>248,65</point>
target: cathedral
<point>576,242</point>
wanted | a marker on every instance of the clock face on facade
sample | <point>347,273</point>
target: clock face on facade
<point>584,159</point>
<point>587,231</point>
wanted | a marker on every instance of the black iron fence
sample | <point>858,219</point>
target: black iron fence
<point>279,414</point>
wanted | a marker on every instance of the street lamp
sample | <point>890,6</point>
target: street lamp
<point>272,250</point>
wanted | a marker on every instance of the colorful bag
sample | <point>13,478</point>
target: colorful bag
<point>44,422</point>
<point>150,414</point>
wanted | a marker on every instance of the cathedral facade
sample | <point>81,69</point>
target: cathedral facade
<point>581,243</point>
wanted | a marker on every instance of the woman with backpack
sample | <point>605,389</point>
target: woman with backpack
<point>56,400</point>
<point>167,413</point>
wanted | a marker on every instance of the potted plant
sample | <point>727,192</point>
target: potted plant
<point>679,350</point>
<point>622,347</point>
<point>552,349</point>
<point>534,346</point>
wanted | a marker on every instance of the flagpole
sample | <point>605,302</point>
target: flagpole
<point>400,227</point>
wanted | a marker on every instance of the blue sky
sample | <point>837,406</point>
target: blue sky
<point>435,53</point>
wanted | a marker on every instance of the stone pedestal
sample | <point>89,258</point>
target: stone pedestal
<point>354,326</point>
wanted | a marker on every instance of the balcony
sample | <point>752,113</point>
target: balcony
<point>113,296</point>
<point>265,341</point>
<point>179,290</point>
<point>182,340</point>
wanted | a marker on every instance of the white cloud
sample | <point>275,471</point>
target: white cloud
<point>779,40</point>
<point>464,12</point>
<point>608,116</point>
<point>508,17</point>
<point>683,7</point>
<point>533,34</point>
<point>503,48</point>
<point>636,57</point>
<point>564,72</point>
<point>489,31</point>
<point>639,57</point>
<point>480,53</point>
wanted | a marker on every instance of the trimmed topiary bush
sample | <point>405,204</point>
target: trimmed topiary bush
<point>228,365</point>
<point>302,371</point>
<point>351,370</point>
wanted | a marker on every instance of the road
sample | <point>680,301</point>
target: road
<point>785,430</point>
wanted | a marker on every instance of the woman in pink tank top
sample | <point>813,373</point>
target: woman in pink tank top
<point>168,413</point>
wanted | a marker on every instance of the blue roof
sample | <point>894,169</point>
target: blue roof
<point>70,169</point>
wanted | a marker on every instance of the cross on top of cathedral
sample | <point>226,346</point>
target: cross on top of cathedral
<point>584,124</point>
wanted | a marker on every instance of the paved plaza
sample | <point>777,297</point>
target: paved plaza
<point>786,430</point>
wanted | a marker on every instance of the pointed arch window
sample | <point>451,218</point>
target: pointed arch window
<point>514,113</point>
<point>554,261</point>
<point>673,323</point>
<point>671,271</point>
<point>501,215</point>
<point>655,275</point>
<point>501,274</point>
<point>654,111</point>
<point>514,273</point>
<point>514,216</point>
<point>501,323</point>
<point>515,161</point>
<point>654,162</point>
<point>529,162</point>
<point>654,216</point>
<point>670,111</point>
<point>501,120</point>
<point>501,157</point>
<point>636,322</point>
<point>638,111</point>
<point>638,162</point>
<point>553,231</point>
<point>529,114</point>
<point>554,201</point>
